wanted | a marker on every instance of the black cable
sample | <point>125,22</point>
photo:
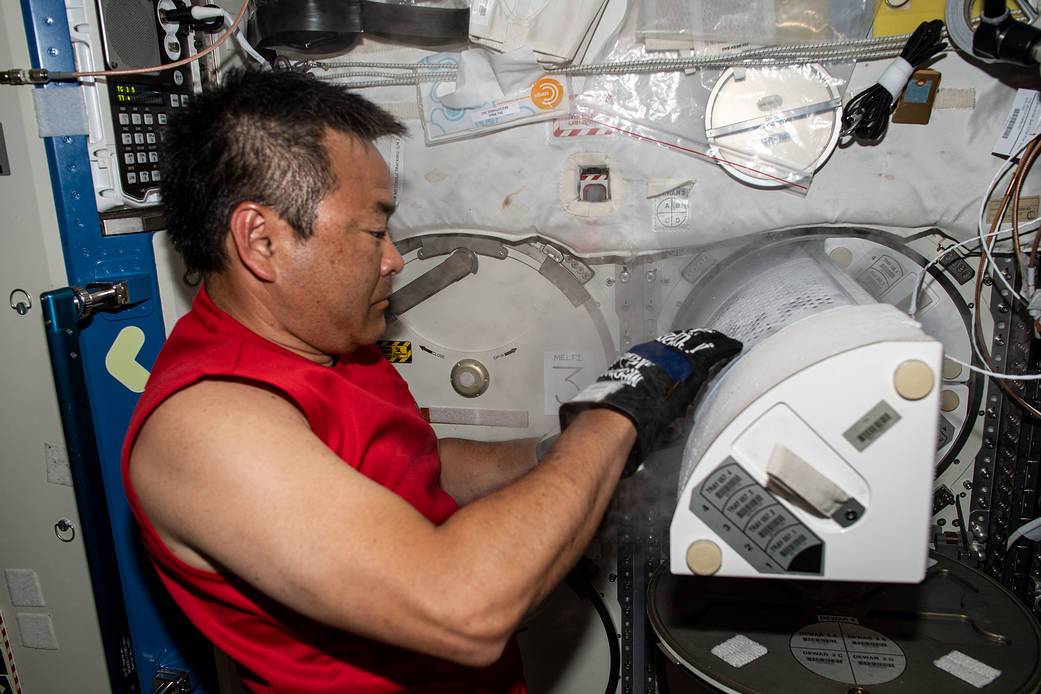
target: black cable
<point>995,9</point>
<point>1000,37</point>
<point>580,581</point>
<point>866,116</point>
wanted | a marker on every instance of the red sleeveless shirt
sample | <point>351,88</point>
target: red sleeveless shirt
<point>362,409</point>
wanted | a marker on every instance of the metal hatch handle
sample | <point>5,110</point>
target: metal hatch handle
<point>459,264</point>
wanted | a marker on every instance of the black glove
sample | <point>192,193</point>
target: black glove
<point>654,383</point>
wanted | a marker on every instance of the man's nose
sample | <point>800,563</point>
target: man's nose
<point>392,260</point>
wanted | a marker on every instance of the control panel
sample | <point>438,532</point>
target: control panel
<point>140,110</point>
<point>126,113</point>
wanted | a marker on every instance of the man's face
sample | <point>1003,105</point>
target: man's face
<point>339,279</point>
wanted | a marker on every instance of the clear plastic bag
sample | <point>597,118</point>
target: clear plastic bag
<point>541,98</point>
<point>760,22</point>
<point>768,127</point>
<point>784,117</point>
<point>441,4</point>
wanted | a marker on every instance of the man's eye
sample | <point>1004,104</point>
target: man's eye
<point>378,234</point>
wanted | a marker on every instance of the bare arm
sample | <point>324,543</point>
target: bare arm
<point>474,469</point>
<point>342,549</point>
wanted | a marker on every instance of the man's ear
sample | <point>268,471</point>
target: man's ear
<point>253,236</point>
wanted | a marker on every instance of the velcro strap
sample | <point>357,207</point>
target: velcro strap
<point>666,358</point>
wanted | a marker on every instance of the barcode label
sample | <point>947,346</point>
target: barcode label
<point>1022,124</point>
<point>481,12</point>
<point>1011,124</point>
<point>869,428</point>
<point>875,427</point>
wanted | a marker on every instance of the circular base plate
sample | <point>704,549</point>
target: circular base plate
<point>806,637</point>
<point>773,125</point>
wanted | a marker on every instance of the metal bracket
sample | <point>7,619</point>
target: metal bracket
<point>167,681</point>
<point>98,296</point>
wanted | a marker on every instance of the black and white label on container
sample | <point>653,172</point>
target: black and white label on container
<point>866,430</point>
<point>881,275</point>
<point>837,618</point>
<point>848,653</point>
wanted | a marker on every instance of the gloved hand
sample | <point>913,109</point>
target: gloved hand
<point>654,383</point>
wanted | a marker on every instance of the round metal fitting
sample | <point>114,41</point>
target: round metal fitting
<point>470,378</point>
<point>64,530</point>
<point>20,300</point>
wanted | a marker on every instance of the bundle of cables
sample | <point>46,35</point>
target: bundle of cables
<point>866,116</point>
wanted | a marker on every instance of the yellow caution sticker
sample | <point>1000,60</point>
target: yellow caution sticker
<point>396,351</point>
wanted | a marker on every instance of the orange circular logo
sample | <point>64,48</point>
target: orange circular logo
<point>547,93</point>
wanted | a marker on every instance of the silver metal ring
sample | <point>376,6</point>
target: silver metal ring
<point>22,307</point>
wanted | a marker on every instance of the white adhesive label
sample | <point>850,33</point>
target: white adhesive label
<point>967,669</point>
<point>1022,124</point>
<point>575,125</point>
<point>481,12</point>
<point>739,651</point>
<point>848,653</point>
<point>564,376</point>
<point>492,115</point>
<point>672,210</point>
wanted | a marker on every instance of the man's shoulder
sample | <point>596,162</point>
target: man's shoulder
<point>224,402</point>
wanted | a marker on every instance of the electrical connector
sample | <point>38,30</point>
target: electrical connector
<point>21,76</point>
<point>1005,39</point>
<point>205,17</point>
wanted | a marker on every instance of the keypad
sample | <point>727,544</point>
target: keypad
<point>141,112</point>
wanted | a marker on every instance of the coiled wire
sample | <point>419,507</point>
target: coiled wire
<point>866,116</point>
<point>357,74</point>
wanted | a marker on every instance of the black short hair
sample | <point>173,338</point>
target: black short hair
<point>258,136</point>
